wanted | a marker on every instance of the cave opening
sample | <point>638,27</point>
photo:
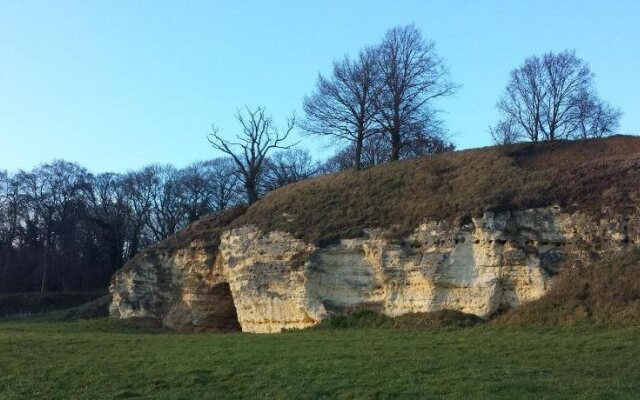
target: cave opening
<point>222,313</point>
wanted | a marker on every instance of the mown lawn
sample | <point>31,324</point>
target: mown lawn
<point>111,359</point>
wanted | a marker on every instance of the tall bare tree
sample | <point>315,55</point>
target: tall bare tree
<point>412,76</point>
<point>343,104</point>
<point>258,137</point>
<point>553,97</point>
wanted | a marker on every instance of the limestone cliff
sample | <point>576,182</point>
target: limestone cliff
<point>270,281</point>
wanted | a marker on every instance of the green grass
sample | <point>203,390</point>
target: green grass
<point>106,358</point>
<point>38,303</point>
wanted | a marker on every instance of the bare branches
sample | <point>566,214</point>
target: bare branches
<point>552,97</point>
<point>343,105</point>
<point>288,166</point>
<point>257,138</point>
<point>388,90</point>
<point>412,75</point>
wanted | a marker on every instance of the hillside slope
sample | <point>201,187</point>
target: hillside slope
<point>576,175</point>
<point>605,292</point>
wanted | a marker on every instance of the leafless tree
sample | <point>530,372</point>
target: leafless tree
<point>107,209</point>
<point>504,132</point>
<point>209,186</point>
<point>170,209</point>
<point>343,104</point>
<point>289,166</point>
<point>596,118</point>
<point>54,190</point>
<point>258,137</point>
<point>225,183</point>
<point>552,97</point>
<point>412,76</point>
<point>139,188</point>
<point>194,182</point>
<point>4,201</point>
<point>342,160</point>
<point>376,150</point>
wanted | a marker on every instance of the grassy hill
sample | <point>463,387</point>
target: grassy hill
<point>584,174</point>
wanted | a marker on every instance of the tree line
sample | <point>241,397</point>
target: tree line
<point>381,106</point>
<point>64,228</point>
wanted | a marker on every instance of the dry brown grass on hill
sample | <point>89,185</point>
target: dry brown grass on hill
<point>604,293</point>
<point>585,174</point>
<point>208,229</point>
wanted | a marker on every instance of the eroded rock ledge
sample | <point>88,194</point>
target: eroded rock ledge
<point>267,282</point>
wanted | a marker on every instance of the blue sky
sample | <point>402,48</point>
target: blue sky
<point>115,85</point>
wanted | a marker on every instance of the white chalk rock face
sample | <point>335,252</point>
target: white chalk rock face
<point>267,282</point>
<point>267,276</point>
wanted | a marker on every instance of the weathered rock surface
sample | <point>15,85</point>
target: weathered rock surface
<point>267,282</point>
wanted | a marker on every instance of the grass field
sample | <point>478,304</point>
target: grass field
<point>107,358</point>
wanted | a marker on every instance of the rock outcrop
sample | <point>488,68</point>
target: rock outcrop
<point>269,281</point>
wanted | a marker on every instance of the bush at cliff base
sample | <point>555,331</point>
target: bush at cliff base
<point>371,319</point>
<point>602,293</point>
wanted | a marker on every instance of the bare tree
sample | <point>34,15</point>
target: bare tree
<point>209,186</point>
<point>552,97</point>
<point>522,104</point>
<point>289,166</point>
<point>194,183</point>
<point>504,132</point>
<point>54,190</point>
<point>4,201</point>
<point>109,213</point>
<point>138,189</point>
<point>412,76</point>
<point>341,161</point>
<point>225,183</point>
<point>169,211</point>
<point>343,104</point>
<point>596,118</point>
<point>376,150</point>
<point>258,137</point>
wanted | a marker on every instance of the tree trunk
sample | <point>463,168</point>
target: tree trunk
<point>396,143</point>
<point>357,162</point>
<point>45,263</point>
<point>252,192</point>
<point>45,270</point>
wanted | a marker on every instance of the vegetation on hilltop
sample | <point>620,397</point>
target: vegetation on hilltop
<point>591,174</point>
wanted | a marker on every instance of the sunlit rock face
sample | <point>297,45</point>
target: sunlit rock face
<point>267,282</point>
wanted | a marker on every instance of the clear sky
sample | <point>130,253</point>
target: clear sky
<point>115,85</point>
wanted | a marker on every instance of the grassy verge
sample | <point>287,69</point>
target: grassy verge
<point>106,358</point>
<point>433,320</point>
<point>38,303</point>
